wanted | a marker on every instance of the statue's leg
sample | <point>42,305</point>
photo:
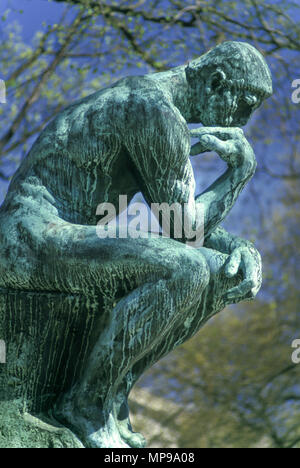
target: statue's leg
<point>159,280</point>
<point>167,279</point>
<point>211,302</point>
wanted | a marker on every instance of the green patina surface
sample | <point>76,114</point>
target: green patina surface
<point>84,317</point>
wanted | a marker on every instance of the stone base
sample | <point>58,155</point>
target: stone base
<point>19,429</point>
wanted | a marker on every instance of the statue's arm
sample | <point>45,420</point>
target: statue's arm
<point>159,149</point>
<point>219,239</point>
<point>225,242</point>
<point>218,199</point>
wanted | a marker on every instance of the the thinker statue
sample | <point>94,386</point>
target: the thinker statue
<point>84,317</point>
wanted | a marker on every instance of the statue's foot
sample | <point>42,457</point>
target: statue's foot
<point>94,429</point>
<point>133,439</point>
<point>122,419</point>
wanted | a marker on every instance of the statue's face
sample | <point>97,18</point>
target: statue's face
<point>246,105</point>
<point>227,107</point>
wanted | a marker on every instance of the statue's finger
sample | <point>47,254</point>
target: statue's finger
<point>198,148</point>
<point>241,290</point>
<point>223,148</point>
<point>233,264</point>
<point>248,265</point>
<point>223,133</point>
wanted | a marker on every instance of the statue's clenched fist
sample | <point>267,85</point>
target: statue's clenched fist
<point>248,260</point>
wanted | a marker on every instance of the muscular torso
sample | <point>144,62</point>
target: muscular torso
<point>119,141</point>
<point>83,157</point>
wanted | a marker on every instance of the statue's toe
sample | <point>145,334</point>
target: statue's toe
<point>137,440</point>
<point>133,439</point>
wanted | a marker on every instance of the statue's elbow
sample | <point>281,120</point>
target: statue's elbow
<point>249,167</point>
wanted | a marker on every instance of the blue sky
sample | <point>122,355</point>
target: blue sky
<point>34,13</point>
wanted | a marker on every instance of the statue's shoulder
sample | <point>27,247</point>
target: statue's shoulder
<point>143,89</point>
<point>136,83</point>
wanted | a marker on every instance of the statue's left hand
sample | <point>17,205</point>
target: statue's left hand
<point>248,260</point>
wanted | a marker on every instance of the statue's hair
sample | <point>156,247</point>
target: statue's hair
<point>240,61</point>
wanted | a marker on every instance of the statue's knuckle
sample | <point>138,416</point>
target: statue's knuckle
<point>240,146</point>
<point>254,293</point>
<point>239,133</point>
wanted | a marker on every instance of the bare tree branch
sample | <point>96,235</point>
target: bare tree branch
<point>60,55</point>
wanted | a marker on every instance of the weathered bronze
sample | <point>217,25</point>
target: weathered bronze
<point>84,317</point>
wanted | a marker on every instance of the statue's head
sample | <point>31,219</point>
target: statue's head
<point>227,84</point>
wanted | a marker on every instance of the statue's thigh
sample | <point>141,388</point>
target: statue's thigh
<point>54,255</point>
<point>133,262</point>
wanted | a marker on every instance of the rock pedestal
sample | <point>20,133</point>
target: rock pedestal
<point>48,338</point>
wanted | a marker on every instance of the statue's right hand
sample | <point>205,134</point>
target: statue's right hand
<point>229,142</point>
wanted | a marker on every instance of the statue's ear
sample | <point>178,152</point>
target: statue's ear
<point>216,80</point>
